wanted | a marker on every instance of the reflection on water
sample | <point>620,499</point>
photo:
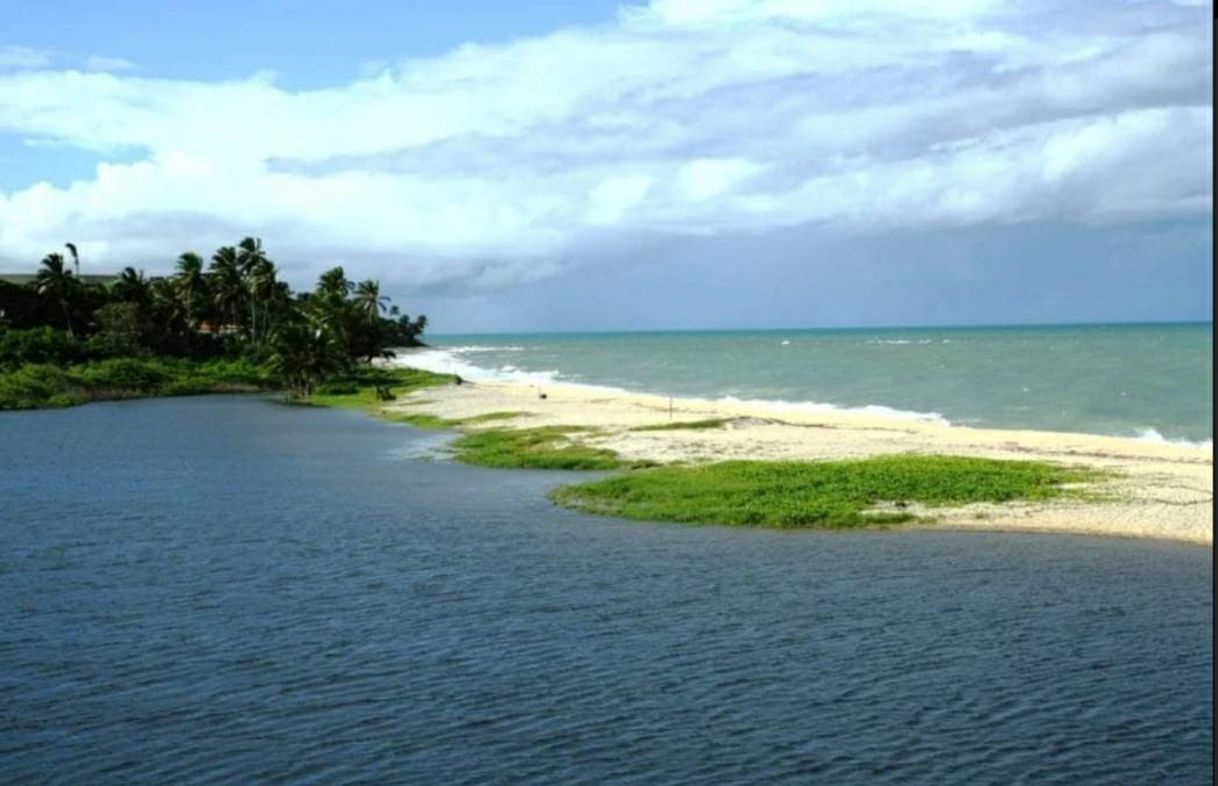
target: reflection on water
<point>221,590</point>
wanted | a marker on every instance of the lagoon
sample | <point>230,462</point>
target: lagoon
<point>222,589</point>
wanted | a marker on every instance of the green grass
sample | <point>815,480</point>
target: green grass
<point>357,390</point>
<point>487,417</point>
<point>833,494</point>
<point>545,447</point>
<point>423,420</point>
<point>417,419</point>
<point>687,424</point>
<point>37,385</point>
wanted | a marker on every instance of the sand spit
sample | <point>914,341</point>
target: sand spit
<point>1163,490</point>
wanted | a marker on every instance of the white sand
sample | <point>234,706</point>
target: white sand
<point>1163,490</point>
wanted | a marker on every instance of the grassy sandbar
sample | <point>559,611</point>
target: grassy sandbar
<point>829,494</point>
<point>544,447</point>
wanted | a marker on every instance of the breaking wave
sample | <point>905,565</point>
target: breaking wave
<point>454,360</point>
<point>448,361</point>
<point>1153,435</point>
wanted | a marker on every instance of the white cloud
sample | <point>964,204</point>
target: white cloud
<point>24,57</point>
<point>492,163</point>
<point>100,63</point>
<point>612,198</point>
<point>705,178</point>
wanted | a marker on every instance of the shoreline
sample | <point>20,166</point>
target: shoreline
<point>440,360</point>
<point>1162,490</point>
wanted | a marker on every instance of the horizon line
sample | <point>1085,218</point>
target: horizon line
<point>939,326</point>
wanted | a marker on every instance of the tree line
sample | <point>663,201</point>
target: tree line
<point>233,305</point>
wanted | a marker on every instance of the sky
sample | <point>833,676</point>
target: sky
<point>672,164</point>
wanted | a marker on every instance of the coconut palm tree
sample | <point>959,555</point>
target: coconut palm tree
<point>227,286</point>
<point>131,287</point>
<point>168,305</point>
<point>369,301</point>
<point>71,247</point>
<point>367,329</point>
<point>334,284</point>
<point>304,353</point>
<point>191,285</point>
<point>258,272</point>
<point>263,288</point>
<point>55,282</point>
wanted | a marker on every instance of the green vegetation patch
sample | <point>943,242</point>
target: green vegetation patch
<point>423,420</point>
<point>359,388</point>
<point>488,417</point>
<point>37,385</point>
<point>418,419</point>
<point>830,494</point>
<point>688,424</point>
<point>545,447</point>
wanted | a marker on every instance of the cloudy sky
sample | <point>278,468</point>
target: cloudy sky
<point>595,165</point>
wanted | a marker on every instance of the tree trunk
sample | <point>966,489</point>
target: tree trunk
<point>67,315</point>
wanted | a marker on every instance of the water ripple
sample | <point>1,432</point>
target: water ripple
<point>297,602</point>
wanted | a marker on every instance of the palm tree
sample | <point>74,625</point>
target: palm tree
<point>369,301</point>
<point>169,306</point>
<point>227,286</point>
<point>75,257</point>
<point>263,289</point>
<point>333,283</point>
<point>132,287</point>
<point>367,307</point>
<point>56,282</point>
<point>258,273</point>
<point>191,284</point>
<point>305,353</point>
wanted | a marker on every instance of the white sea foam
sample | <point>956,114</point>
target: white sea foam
<point>472,348</point>
<point>899,341</point>
<point>877,410</point>
<point>449,361</point>
<point>446,361</point>
<point>1153,435</point>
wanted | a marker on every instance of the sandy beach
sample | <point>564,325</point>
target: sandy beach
<point>1158,491</point>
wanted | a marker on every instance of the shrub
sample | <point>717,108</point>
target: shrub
<point>38,345</point>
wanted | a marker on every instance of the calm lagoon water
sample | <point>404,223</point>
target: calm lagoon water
<point>228,590</point>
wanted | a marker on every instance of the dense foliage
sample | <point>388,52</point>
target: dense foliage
<point>39,385</point>
<point>231,308</point>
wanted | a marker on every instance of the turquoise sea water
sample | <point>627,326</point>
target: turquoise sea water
<point>226,590</point>
<point>1149,381</point>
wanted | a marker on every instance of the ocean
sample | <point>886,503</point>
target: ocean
<point>1152,382</point>
<point>224,589</point>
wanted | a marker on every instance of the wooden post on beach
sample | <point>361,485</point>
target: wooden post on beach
<point>670,407</point>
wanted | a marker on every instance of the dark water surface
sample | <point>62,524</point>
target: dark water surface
<point>227,590</point>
